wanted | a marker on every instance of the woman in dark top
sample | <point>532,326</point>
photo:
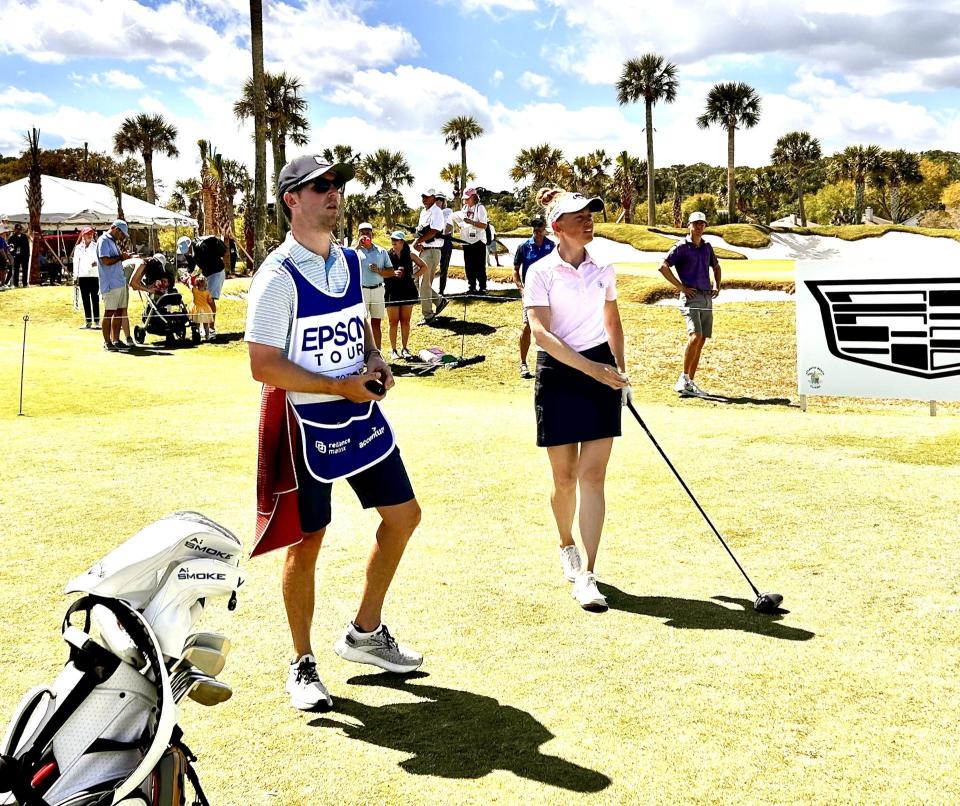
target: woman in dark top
<point>400,292</point>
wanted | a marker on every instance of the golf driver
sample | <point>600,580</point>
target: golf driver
<point>765,602</point>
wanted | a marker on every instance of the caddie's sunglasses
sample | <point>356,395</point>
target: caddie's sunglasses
<point>323,185</point>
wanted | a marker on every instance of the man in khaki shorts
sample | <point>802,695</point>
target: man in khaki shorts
<point>374,261</point>
<point>693,258</point>
<point>430,227</point>
<point>113,283</point>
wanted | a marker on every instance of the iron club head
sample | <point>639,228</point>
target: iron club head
<point>767,602</point>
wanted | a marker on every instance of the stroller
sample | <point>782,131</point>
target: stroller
<point>106,731</point>
<point>166,315</point>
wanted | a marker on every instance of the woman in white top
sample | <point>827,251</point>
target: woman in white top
<point>571,303</point>
<point>474,232</point>
<point>85,276</point>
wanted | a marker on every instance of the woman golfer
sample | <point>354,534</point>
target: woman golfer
<point>572,306</point>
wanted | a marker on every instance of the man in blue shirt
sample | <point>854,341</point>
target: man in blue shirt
<point>373,262</point>
<point>693,258</point>
<point>528,253</point>
<point>113,283</point>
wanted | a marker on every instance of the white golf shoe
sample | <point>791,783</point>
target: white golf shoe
<point>570,562</point>
<point>587,594</point>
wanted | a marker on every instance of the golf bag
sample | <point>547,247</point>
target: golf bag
<point>106,731</point>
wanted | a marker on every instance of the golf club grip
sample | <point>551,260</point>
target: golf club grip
<point>693,498</point>
<point>376,387</point>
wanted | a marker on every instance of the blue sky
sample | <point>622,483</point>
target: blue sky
<point>387,74</point>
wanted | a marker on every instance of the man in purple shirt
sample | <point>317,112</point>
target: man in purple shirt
<point>693,258</point>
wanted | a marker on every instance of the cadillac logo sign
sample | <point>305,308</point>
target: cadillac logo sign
<point>908,326</point>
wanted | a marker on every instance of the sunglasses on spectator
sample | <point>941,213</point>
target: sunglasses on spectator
<point>323,185</point>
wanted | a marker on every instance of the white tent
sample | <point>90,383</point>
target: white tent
<point>68,203</point>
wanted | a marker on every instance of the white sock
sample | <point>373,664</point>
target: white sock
<point>356,633</point>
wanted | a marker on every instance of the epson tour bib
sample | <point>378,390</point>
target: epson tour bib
<point>339,437</point>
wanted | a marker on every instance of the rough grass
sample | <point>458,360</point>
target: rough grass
<point>680,693</point>
<point>856,232</point>
<point>746,235</point>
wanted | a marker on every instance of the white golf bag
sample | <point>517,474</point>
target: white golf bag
<point>106,731</point>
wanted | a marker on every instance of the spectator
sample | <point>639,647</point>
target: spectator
<point>473,230</point>
<point>492,246</point>
<point>528,253</point>
<point>374,261</point>
<point>85,277</point>
<point>151,276</point>
<point>208,252</point>
<point>20,251</point>
<point>113,284</point>
<point>6,260</point>
<point>234,255</point>
<point>693,258</point>
<point>429,241</point>
<point>581,385</point>
<point>447,249</point>
<point>401,291</point>
<point>201,312</point>
<point>185,262</point>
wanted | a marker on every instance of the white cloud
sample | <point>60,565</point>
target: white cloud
<point>497,77</point>
<point>119,80</point>
<point>164,70</point>
<point>541,85</point>
<point>14,96</point>
<point>154,106</point>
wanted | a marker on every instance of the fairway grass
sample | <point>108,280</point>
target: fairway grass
<point>680,693</point>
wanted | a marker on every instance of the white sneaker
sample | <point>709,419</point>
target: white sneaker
<point>681,384</point>
<point>570,562</point>
<point>693,389</point>
<point>304,687</point>
<point>378,649</point>
<point>585,591</point>
<point>394,355</point>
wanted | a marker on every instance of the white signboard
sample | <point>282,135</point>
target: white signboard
<point>870,331</point>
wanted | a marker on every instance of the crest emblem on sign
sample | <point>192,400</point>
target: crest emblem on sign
<point>909,326</point>
<point>814,375</point>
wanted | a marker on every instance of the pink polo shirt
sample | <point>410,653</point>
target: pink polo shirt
<point>575,297</point>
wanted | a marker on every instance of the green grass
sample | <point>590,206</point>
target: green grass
<point>746,235</point>
<point>856,232</point>
<point>680,693</point>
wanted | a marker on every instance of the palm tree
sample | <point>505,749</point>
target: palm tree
<point>259,134</point>
<point>387,169</point>
<point>341,153</point>
<point>456,132</point>
<point>146,135</point>
<point>34,205</point>
<point>544,164</point>
<point>856,163</point>
<point>285,119</point>
<point>450,175</point>
<point>652,78</point>
<point>732,106</point>
<point>629,178</point>
<point>590,174</point>
<point>186,197</point>
<point>208,189</point>
<point>356,208</point>
<point>899,168</point>
<point>797,153</point>
<point>678,177</point>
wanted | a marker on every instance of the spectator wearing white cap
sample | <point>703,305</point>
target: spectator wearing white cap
<point>693,258</point>
<point>113,283</point>
<point>473,231</point>
<point>374,261</point>
<point>581,383</point>
<point>429,241</point>
<point>6,259</point>
<point>86,277</point>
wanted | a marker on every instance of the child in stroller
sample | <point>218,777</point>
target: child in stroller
<point>164,312</point>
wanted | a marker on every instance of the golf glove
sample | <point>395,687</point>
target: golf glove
<point>626,395</point>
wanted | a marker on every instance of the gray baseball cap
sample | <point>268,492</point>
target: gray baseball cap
<point>305,169</point>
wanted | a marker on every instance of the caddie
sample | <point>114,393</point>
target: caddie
<point>311,346</point>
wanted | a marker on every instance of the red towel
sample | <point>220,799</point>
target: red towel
<point>278,517</point>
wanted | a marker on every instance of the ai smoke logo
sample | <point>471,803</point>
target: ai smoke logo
<point>909,326</point>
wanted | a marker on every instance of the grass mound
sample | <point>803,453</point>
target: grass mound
<point>857,232</point>
<point>749,236</point>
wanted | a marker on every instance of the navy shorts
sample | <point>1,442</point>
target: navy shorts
<point>383,485</point>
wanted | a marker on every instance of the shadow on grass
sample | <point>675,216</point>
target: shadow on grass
<point>754,401</point>
<point>698,614</point>
<point>460,327</point>
<point>457,734</point>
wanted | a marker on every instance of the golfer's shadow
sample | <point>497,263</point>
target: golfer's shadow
<point>459,327</point>
<point>700,614</point>
<point>739,401</point>
<point>457,734</point>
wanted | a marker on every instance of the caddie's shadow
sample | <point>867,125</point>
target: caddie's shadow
<point>457,734</point>
<point>459,327</point>
<point>700,614</point>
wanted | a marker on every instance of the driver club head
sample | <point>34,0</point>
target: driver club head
<point>767,602</point>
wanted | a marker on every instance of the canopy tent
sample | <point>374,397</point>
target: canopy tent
<point>68,203</point>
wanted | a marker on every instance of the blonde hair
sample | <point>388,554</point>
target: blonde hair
<point>548,197</point>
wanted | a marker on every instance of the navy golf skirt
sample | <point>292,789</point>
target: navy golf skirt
<point>570,405</point>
